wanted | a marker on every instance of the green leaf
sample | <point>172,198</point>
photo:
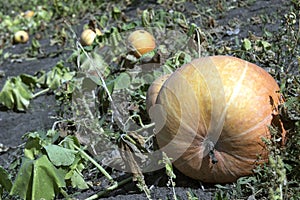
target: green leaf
<point>53,80</point>
<point>148,56</point>
<point>5,181</point>
<point>38,179</point>
<point>15,94</point>
<point>51,135</point>
<point>266,45</point>
<point>246,44</point>
<point>41,78</point>
<point>46,176</point>
<point>246,180</point>
<point>116,9</point>
<point>29,80</point>
<point>122,81</point>
<point>78,181</point>
<point>44,137</point>
<point>69,142</point>
<point>32,148</point>
<point>23,182</point>
<point>35,44</point>
<point>21,102</point>
<point>58,75</point>
<point>129,26</point>
<point>6,96</point>
<point>59,155</point>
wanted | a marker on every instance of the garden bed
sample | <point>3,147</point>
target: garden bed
<point>261,31</point>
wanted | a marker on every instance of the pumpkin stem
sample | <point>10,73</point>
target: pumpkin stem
<point>212,156</point>
<point>211,153</point>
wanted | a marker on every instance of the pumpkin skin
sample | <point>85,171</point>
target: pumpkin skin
<point>29,14</point>
<point>142,42</point>
<point>21,37</point>
<point>88,36</point>
<point>154,89</point>
<point>211,116</point>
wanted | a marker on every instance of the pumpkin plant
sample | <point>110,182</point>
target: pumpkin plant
<point>212,116</point>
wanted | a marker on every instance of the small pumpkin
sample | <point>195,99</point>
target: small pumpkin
<point>141,42</point>
<point>211,116</point>
<point>21,37</point>
<point>28,14</point>
<point>88,36</point>
<point>98,32</point>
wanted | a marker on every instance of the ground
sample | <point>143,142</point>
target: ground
<point>235,24</point>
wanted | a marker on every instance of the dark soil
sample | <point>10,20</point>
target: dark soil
<point>42,111</point>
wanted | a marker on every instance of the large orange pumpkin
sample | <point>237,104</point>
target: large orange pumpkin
<point>211,116</point>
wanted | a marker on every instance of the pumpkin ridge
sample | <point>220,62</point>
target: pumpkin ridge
<point>213,132</point>
<point>238,157</point>
<point>201,115</point>
<point>225,167</point>
<point>237,87</point>
<point>256,126</point>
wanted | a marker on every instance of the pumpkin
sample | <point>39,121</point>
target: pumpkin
<point>21,37</point>
<point>28,14</point>
<point>88,36</point>
<point>98,32</point>
<point>154,89</point>
<point>211,116</point>
<point>141,42</point>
